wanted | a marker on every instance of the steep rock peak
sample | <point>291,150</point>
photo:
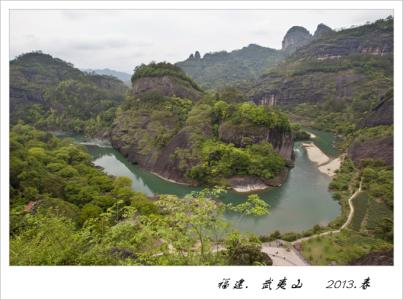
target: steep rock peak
<point>196,55</point>
<point>163,79</point>
<point>321,31</point>
<point>295,38</point>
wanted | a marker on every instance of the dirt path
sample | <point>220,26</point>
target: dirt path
<point>348,221</point>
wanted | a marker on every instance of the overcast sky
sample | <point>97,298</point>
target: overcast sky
<point>121,40</point>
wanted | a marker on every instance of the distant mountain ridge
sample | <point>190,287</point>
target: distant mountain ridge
<point>344,64</point>
<point>226,68</point>
<point>123,76</point>
<point>237,67</point>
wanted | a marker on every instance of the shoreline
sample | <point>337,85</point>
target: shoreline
<point>249,188</point>
<point>311,135</point>
<point>326,165</point>
<point>170,180</point>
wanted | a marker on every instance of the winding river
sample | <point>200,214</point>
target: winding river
<point>300,203</point>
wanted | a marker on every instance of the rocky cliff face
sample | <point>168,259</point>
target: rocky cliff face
<point>379,147</point>
<point>321,31</point>
<point>374,39</point>
<point>167,86</point>
<point>242,136</point>
<point>378,258</point>
<point>338,66</point>
<point>150,128</point>
<point>159,160</point>
<point>295,38</point>
<point>382,114</point>
<point>182,140</point>
<point>373,149</point>
<point>313,87</point>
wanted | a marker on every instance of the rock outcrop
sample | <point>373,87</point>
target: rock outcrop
<point>169,86</point>
<point>241,136</point>
<point>378,258</point>
<point>295,38</point>
<point>315,87</point>
<point>373,39</point>
<point>160,161</point>
<point>379,147</point>
<point>373,149</point>
<point>382,114</point>
<point>150,130</point>
<point>175,138</point>
<point>337,67</point>
<point>321,31</point>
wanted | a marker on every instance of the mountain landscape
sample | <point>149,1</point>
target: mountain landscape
<point>218,69</point>
<point>47,92</point>
<point>210,142</point>
<point>228,68</point>
<point>122,76</point>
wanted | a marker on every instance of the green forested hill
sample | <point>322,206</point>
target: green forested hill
<point>171,127</point>
<point>52,94</point>
<point>227,68</point>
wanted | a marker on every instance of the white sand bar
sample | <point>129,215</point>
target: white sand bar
<point>249,187</point>
<point>325,164</point>
<point>331,167</point>
<point>315,154</point>
<point>311,135</point>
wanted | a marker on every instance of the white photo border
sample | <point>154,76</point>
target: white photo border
<point>142,282</point>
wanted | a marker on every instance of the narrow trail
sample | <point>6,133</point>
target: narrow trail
<point>348,221</point>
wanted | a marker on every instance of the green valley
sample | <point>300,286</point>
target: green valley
<point>221,159</point>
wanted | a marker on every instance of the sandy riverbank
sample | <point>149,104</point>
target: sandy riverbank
<point>311,135</point>
<point>315,154</point>
<point>325,164</point>
<point>249,188</point>
<point>331,167</point>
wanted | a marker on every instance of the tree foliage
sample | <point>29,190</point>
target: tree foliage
<point>64,211</point>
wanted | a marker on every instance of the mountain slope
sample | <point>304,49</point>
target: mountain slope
<point>171,127</point>
<point>238,67</point>
<point>343,72</point>
<point>51,93</point>
<point>225,68</point>
<point>295,38</point>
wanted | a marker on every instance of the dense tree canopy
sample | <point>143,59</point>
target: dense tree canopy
<point>64,211</point>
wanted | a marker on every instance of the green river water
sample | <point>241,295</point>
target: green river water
<point>300,203</point>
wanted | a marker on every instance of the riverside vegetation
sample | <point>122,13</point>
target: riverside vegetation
<point>65,211</point>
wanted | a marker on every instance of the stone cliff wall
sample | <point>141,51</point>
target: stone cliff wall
<point>243,135</point>
<point>167,86</point>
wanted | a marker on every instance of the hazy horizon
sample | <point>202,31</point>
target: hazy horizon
<point>121,39</point>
